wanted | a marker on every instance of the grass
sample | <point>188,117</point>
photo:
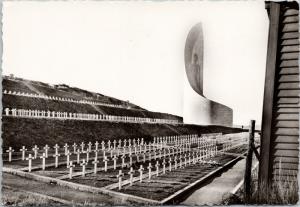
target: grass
<point>283,191</point>
<point>15,198</point>
<point>18,132</point>
<point>11,101</point>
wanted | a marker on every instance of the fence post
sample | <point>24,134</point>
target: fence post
<point>247,178</point>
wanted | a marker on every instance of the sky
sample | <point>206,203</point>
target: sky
<point>134,50</point>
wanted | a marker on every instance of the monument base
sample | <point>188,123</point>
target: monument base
<point>202,111</point>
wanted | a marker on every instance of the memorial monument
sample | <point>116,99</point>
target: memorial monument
<point>197,108</point>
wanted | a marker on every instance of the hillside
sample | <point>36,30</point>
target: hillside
<point>21,131</point>
<point>18,85</point>
<point>28,132</point>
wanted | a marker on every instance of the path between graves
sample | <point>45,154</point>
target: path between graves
<point>219,188</point>
<point>59,193</point>
<point>31,87</point>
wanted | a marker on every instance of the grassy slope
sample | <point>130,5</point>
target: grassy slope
<point>20,85</point>
<point>25,131</point>
<point>12,101</point>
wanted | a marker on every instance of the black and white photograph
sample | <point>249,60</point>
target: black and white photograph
<point>149,103</point>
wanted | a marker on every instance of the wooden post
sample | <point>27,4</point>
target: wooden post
<point>247,178</point>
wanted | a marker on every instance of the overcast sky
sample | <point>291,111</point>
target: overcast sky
<point>135,50</point>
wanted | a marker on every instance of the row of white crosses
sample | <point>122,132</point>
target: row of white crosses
<point>117,146</point>
<point>158,149</point>
<point>84,116</point>
<point>230,141</point>
<point>178,161</point>
<point>106,147</point>
<point>32,95</point>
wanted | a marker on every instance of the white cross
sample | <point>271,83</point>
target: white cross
<point>23,150</point>
<point>95,162</point>
<point>87,155</point>
<point>141,173</point>
<point>103,145</point>
<point>138,141</point>
<point>149,171</point>
<point>83,164</point>
<point>35,150</point>
<point>130,160</point>
<point>46,148</point>
<point>29,158</point>
<point>82,146</point>
<point>74,147</point>
<point>123,160</point>
<point>115,142</point>
<point>115,161</point>
<point>96,145</point>
<point>120,143</point>
<point>108,144</point>
<point>170,164</point>
<point>56,147</point>
<point>43,157</point>
<point>96,153</point>
<point>66,148</point>
<point>164,166</point>
<point>120,175</point>
<point>105,159</point>
<point>10,151</point>
<point>131,175</point>
<point>78,156</point>
<point>90,146</point>
<point>157,168</point>
<point>104,153</point>
<point>68,157</point>
<point>71,166</point>
<point>56,155</point>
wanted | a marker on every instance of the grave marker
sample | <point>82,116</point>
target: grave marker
<point>95,162</point>
<point>120,175</point>
<point>56,155</point>
<point>29,158</point>
<point>131,175</point>
<point>164,166</point>
<point>35,150</point>
<point>149,171</point>
<point>157,168</point>
<point>82,146</point>
<point>83,164</point>
<point>71,166</point>
<point>23,150</point>
<point>90,146</point>
<point>46,148</point>
<point>66,146</point>
<point>74,147</point>
<point>115,161</point>
<point>78,156</point>
<point>141,173</point>
<point>56,147</point>
<point>105,160</point>
<point>10,151</point>
<point>43,157</point>
<point>68,154</point>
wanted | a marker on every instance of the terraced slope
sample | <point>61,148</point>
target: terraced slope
<point>64,91</point>
<point>17,132</point>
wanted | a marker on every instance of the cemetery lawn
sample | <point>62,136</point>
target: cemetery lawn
<point>28,131</point>
<point>20,198</point>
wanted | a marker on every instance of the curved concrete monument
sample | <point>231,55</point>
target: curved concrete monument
<point>197,108</point>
